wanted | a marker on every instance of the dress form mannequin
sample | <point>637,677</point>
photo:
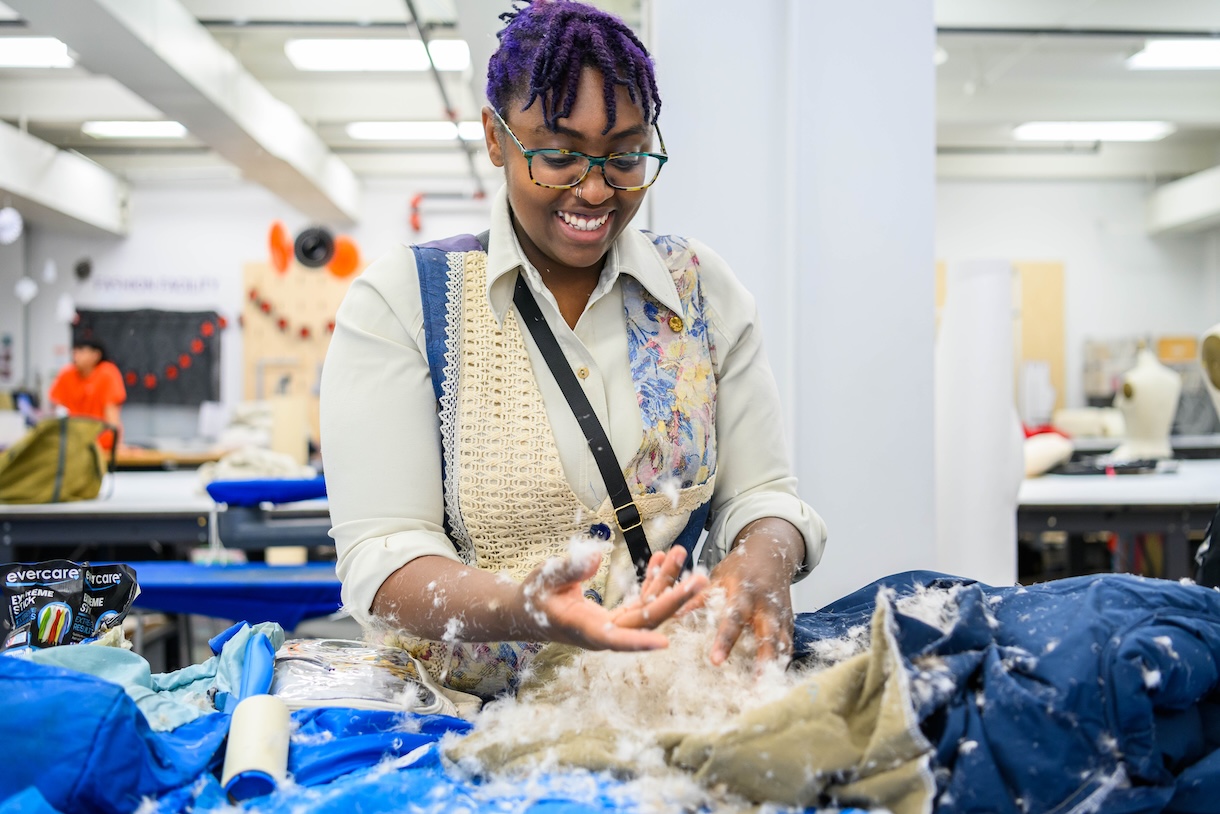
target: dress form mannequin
<point>1148,400</point>
<point>1209,358</point>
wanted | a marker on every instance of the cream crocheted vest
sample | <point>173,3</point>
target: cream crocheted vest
<point>516,505</point>
<point>508,504</point>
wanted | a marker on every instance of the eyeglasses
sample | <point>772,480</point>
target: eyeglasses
<point>564,169</point>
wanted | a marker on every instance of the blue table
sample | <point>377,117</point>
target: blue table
<point>253,592</point>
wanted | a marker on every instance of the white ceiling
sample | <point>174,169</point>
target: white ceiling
<point>1013,61</point>
<point>1009,61</point>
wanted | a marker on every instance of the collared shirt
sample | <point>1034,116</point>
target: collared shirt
<point>381,442</point>
<point>90,395</point>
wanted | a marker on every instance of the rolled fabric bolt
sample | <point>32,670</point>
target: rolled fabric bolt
<point>256,758</point>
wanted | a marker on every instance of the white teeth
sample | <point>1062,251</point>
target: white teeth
<point>584,224</point>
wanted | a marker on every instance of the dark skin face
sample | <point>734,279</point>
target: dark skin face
<point>569,259</point>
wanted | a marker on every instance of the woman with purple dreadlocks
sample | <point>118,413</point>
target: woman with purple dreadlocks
<point>528,431</point>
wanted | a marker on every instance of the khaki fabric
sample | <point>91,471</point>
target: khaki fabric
<point>845,735</point>
<point>58,460</point>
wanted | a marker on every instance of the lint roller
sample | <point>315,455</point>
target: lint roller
<point>256,758</point>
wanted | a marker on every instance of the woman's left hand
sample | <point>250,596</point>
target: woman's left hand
<point>756,578</point>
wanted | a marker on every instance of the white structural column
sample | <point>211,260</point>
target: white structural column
<point>57,187</point>
<point>161,52</point>
<point>802,137</point>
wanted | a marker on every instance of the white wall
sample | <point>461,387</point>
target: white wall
<point>188,245</point>
<point>12,261</point>
<point>1117,280</point>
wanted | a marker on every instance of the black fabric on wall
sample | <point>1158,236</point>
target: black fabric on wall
<point>166,357</point>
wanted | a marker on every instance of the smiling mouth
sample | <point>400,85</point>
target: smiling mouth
<point>582,223</point>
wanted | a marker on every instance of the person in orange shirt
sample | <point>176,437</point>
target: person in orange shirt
<point>91,386</point>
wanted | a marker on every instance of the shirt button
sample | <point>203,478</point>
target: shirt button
<point>675,324</point>
<point>583,373</point>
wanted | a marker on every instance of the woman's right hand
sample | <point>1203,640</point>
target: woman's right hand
<point>556,608</point>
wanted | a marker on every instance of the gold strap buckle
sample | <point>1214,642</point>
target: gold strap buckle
<point>631,522</point>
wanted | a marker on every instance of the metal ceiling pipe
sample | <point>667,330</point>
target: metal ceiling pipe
<point>450,110</point>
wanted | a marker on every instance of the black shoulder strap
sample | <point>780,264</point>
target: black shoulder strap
<point>625,511</point>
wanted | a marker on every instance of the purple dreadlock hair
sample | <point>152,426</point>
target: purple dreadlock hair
<point>545,45</point>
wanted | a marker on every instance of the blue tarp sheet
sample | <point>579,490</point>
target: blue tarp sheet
<point>285,594</point>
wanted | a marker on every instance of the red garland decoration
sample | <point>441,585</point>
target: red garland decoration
<point>207,329</point>
<point>284,324</point>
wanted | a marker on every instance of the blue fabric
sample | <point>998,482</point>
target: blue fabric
<point>1096,691</point>
<point>284,594</point>
<point>259,667</point>
<point>1038,698</point>
<point>85,746</point>
<point>169,700</point>
<point>266,490</point>
<point>432,268</point>
<point>257,673</point>
<point>688,538</point>
<point>29,801</point>
<point>422,788</point>
<point>337,759</point>
<point>331,742</point>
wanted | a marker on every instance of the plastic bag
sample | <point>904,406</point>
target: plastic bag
<point>62,602</point>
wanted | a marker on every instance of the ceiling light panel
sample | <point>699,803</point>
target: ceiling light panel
<point>1177,55</point>
<point>150,129</point>
<point>34,52</point>
<point>414,131</point>
<point>376,55</point>
<point>1092,131</point>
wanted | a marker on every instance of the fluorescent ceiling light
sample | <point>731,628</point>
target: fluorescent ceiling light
<point>159,129</point>
<point>34,52</point>
<point>376,55</point>
<point>1093,131</point>
<point>414,131</point>
<point>1177,55</point>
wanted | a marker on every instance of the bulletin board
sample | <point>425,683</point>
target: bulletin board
<point>287,320</point>
<point>1038,317</point>
<point>1040,321</point>
<point>165,357</point>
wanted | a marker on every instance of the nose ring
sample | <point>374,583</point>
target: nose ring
<point>579,194</point>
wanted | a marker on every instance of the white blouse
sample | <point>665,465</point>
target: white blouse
<point>381,445</point>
